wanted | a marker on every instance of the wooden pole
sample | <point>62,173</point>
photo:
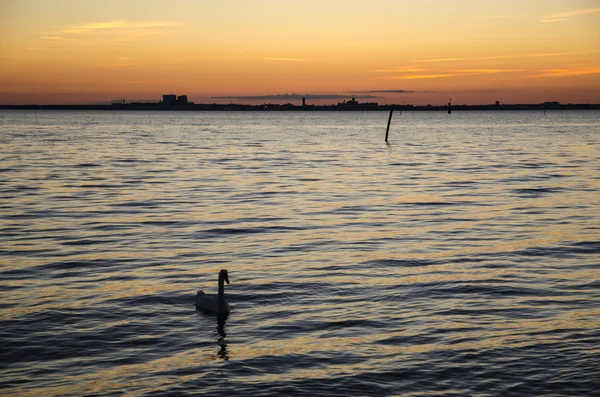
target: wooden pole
<point>387,131</point>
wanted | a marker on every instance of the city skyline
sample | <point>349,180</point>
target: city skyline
<point>392,51</point>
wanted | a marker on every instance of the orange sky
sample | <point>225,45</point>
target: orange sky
<point>473,51</point>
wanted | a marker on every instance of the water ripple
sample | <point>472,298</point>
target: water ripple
<point>462,259</point>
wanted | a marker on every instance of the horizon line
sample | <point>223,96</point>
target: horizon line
<point>152,102</point>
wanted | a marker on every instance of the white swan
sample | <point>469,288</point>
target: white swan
<point>214,303</point>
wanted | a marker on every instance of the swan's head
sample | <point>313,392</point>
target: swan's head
<point>223,275</point>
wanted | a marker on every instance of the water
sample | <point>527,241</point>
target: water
<point>463,259</point>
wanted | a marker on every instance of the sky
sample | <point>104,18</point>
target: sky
<point>419,52</point>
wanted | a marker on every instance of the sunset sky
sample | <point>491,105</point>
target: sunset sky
<point>418,52</point>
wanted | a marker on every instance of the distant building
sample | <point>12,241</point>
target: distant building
<point>169,100</point>
<point>182,100</point>
<point>353,104</point>
<point>551,105</point>
<point>303,101</point>
<point>497,103</point>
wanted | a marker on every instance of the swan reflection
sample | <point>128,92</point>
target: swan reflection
<point>221,319</point>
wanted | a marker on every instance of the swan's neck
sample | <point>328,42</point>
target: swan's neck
<point>221,288</point>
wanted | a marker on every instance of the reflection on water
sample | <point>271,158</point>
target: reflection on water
<point>221,318</point>
<point>462,259</point>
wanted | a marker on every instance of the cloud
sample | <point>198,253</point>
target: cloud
<point>285,59</point>
<point>412,73</point>
<point>496,17</point>
<point>446,59</point>
<point>441,73</point>
<point>425,76</point>
<point>55,38</point>
<point>573,13</point>
<point>286,97</point>
<point>437,74</point>
<point>116,65</point>
<point>385,91</point>
<point>396,70</point>
<point>117,24</point>
<point>553,20</point>
<point>121,29</point>
<point>487,71</point>
<point>566,72</point>
<point>534,55</point>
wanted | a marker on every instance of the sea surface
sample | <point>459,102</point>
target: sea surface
<point>462,259</point>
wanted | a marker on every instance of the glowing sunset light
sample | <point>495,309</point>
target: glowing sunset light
<point>68,51</point>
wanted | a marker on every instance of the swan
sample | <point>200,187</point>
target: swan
<point>214,303</point>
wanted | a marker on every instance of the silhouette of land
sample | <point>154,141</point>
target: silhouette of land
<point>173,102</point>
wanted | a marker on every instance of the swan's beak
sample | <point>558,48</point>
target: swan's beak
<point>227,278</point>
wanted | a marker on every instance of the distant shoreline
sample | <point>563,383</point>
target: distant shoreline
<point>141,106</point>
